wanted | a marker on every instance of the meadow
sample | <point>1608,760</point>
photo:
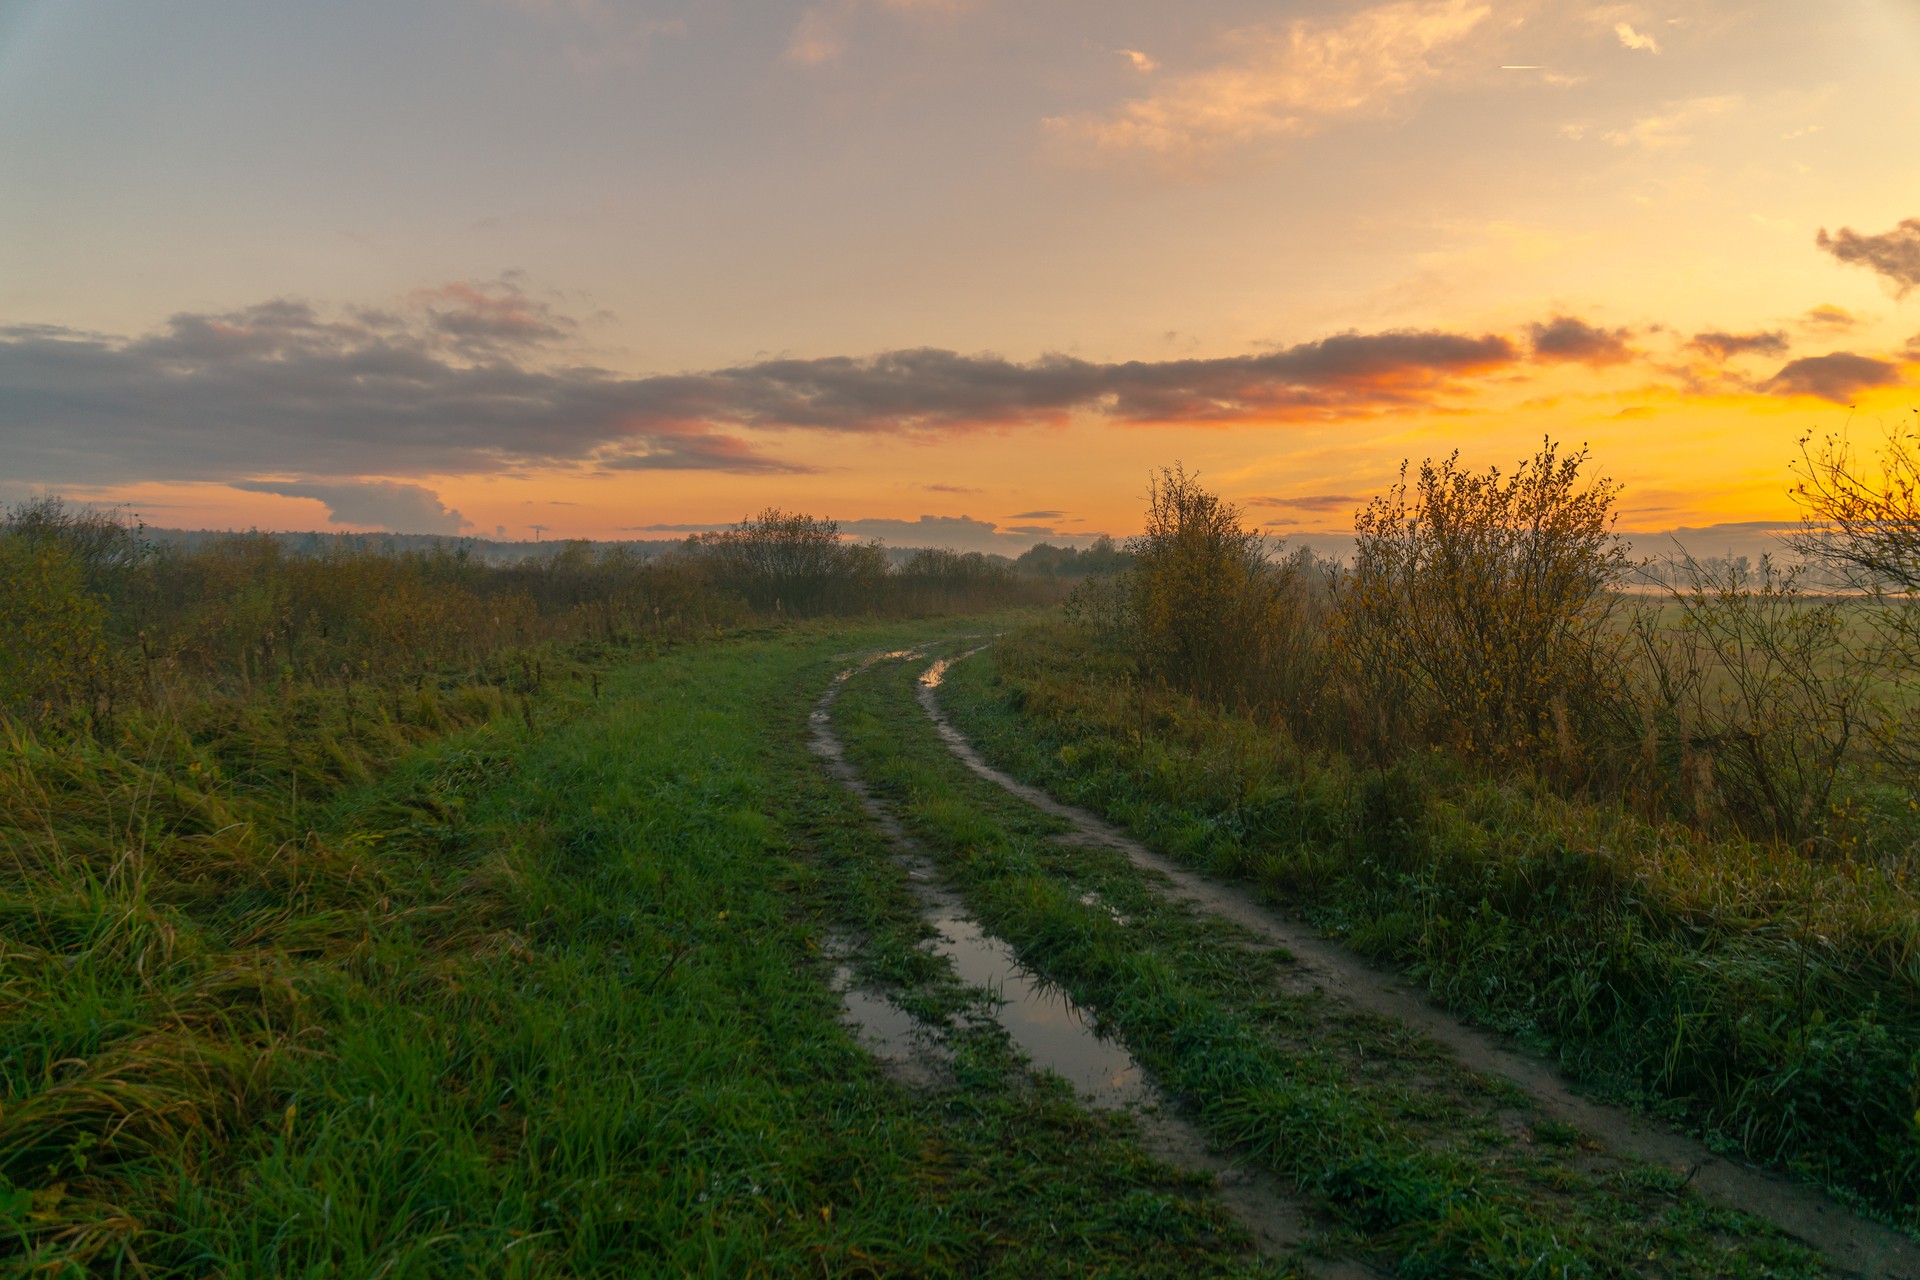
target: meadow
<point>411,915</point>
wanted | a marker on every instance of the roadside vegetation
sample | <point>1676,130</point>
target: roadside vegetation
<point>1407,1160</point>
<point>1671,835</point>
<point>410,915</point>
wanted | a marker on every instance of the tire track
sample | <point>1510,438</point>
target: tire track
<point>1279,1221</point>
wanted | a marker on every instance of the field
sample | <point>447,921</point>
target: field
<point>560,990</point>
<point>409,916</point>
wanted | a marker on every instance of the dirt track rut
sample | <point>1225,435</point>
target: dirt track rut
<point>1278,1221</point>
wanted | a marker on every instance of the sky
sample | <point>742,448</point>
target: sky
<point>963,272</point>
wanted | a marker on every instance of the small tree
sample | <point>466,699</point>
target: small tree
<point>53,653</point>
<point>1757,685</point>
<point>100,543</point>
<point>1476,608</point>
<point>1860,522</point>
<point>792,562</point>
<point>1199,587</point>
<point>1860,528</point>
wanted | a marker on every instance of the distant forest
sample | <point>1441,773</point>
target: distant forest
<point>1043,560</point>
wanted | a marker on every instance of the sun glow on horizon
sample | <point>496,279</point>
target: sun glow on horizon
<point>929,267</point>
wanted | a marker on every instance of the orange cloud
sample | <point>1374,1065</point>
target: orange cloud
<point>1280,82</point>
<point>1722,345</point>
<point>1827,316</point>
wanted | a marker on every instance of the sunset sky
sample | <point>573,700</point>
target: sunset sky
<point>949,271</point>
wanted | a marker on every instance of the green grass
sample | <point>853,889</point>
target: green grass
<point>1408,1159</point>
<point>545,995</point>
<point>531,977</point>
<point>1771,1000</point>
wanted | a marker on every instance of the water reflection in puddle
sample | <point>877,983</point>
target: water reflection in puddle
<point>910,1051</point>
<point>1047,1026</point>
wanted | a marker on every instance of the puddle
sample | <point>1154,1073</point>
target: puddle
<point>1048,1027</point>
<point>906,1048</point>
<point>1854,1243</point>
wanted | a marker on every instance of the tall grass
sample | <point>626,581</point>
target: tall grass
<point>1768,997</point>
<point>1676,836</point>
<point>207,858</point>
<point>1494,617</point>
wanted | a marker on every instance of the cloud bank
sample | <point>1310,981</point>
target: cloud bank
<point>466,380</point>
<point>472,379</point>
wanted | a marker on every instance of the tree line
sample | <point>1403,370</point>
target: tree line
<point>98,617</point>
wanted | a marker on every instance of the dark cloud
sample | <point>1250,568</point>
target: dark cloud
<point>1724,346</point>
<point>486,323</point>
<point>1031,530</point>
<point>275,388</point>
<point>1037,515</point>
<point>694,450</point>
<point>1829,318</point>
<point>1912,349</point>
<point>949,488</point>
<point>383,504</point>
<point>1837,376</point>
<point>467,379</point>
<point>1339,376</point>
<point>1312,502</point>
<point>1893,254</point>
<point>927,389</point>
<point>1569,338</point>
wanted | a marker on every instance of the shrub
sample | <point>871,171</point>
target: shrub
<point>54,652</point>
<point>791,563</point>
<point>1476,612</point>
<point>1861,529</point>
<point>1759,687</point>
<point>1200,588</point>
